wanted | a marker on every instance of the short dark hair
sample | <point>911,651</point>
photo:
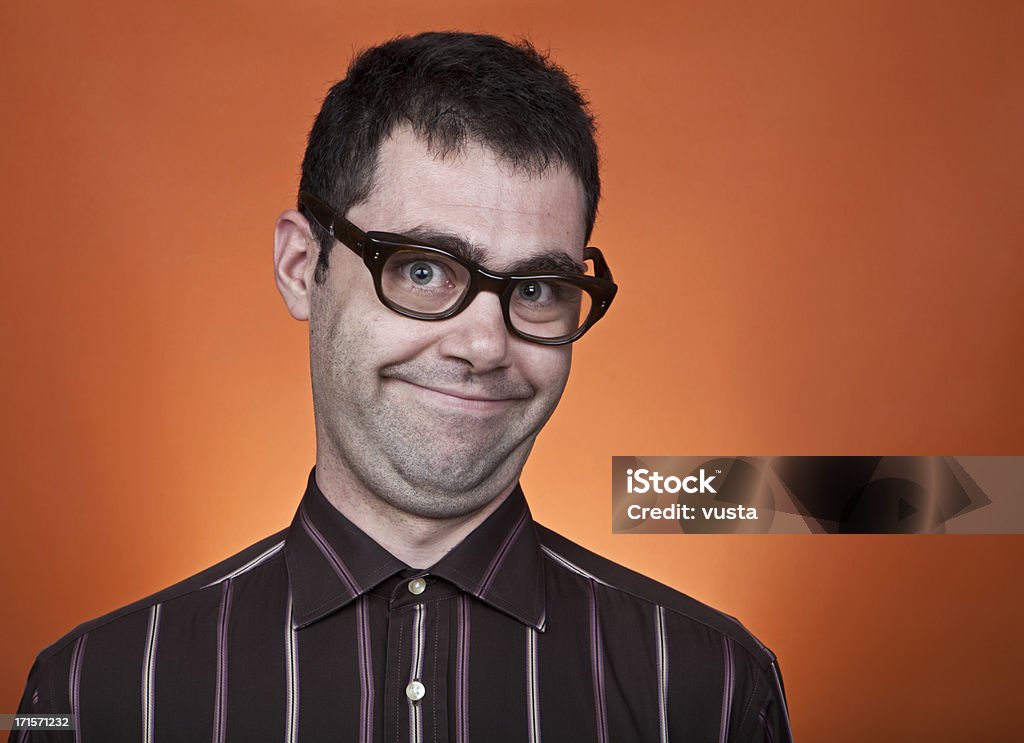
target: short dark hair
<point>450,87</point>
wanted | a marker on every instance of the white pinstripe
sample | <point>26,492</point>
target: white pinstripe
<point>259,559</point>
<point>662,641</point>
<point>418,636</point>
<point>532,692</point>
<point>74,681</point>
<point>572,566</point>
<point>291,669</point>
<point>149,673</point>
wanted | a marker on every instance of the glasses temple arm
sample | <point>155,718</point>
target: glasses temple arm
<point>339,228</point>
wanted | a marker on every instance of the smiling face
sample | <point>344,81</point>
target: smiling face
<point>437,418</point>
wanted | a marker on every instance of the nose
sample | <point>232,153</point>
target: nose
<point>478,335</point>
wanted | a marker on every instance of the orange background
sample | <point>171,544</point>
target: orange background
<point>814,214</point>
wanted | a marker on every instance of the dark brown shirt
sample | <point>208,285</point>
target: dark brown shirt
<point>319,634</point>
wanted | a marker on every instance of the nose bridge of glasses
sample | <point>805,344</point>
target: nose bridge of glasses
<point>502,286</point>
<point>482,281</point>
<point>489,282</point>
<point>486,322</point>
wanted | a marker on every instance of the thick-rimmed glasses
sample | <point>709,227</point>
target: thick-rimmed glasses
<point>428,283</point>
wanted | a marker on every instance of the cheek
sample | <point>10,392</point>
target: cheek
<point>336,327</point>
<point>547,369</point>
<point>361,336</point>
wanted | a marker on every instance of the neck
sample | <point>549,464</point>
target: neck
<point>418,541</point>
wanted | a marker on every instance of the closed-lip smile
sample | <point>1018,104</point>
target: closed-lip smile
<point>458,398</point>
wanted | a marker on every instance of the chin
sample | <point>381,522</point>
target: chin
<point>452,490</point>
<point>438,503</point>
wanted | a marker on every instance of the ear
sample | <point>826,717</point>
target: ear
<point>295,256</point>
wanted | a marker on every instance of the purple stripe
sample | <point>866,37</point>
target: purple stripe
<point>330,554</point>
<point>502,553</point>
<point>74,682</point>
<point>597,666</point>
<point>727,689</point>
<point>220,702</point>
<point>365,671</point>
<point>462,674</point>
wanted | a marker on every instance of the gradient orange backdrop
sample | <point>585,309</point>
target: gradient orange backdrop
<point>813,211</point>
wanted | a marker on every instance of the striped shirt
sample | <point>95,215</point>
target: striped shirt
<point>317,633</point>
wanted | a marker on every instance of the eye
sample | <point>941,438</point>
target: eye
<point>537,292</point>
<point>424,274</point>
<point>421,273</point>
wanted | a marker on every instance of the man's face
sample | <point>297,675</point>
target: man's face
<point>437,418</point>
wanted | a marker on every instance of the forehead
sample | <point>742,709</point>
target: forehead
<point>507,213</point>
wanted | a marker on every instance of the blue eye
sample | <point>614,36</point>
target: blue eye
<point>421,273</point>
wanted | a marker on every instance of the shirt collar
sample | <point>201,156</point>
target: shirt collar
<point>331,562</point>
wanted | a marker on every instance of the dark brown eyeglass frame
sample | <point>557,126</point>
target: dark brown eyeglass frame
<point>376,247</point>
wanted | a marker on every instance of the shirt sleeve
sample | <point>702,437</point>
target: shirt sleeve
<point>35,701</point>
<point>769,715</point>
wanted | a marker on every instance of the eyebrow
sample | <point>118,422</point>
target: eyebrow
<point>447,241</point>
<point>548,260</point>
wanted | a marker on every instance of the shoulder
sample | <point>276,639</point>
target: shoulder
<point>249,558</point>
<point>566,555</point>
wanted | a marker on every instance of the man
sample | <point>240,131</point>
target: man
<point>449,187</point>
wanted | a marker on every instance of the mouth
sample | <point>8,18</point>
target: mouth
<point>460,399</point>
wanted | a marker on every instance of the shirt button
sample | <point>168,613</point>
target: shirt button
<point>417,586</point>
<point>415,691</point>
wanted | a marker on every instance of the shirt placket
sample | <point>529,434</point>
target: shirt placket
<point>416,684</point>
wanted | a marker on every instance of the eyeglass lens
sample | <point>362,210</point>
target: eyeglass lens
<point>431,284</point>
